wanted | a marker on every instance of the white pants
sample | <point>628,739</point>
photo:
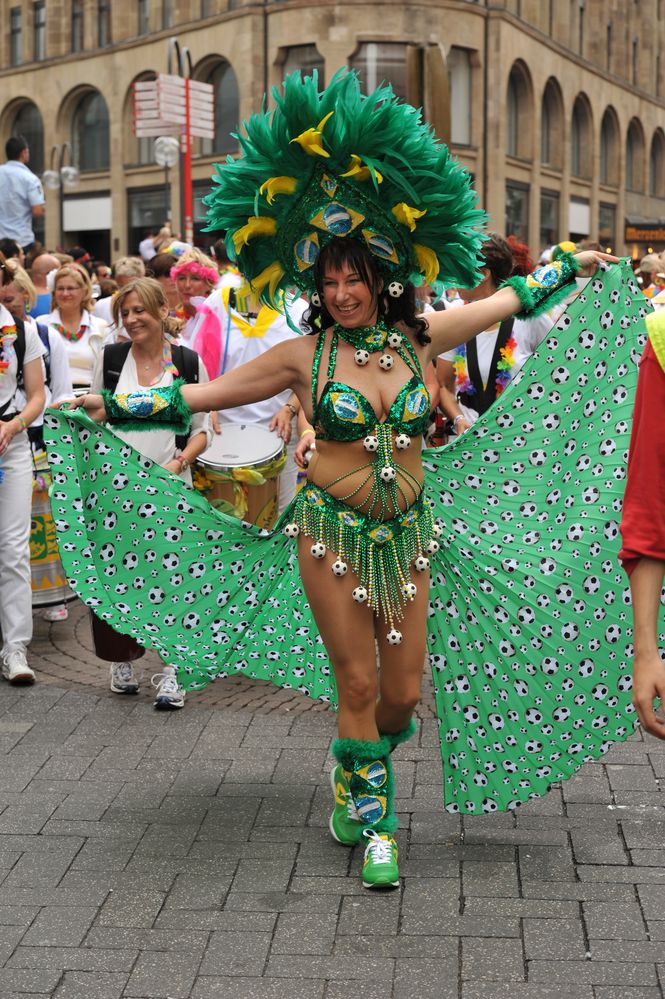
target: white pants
<point>15,519</point>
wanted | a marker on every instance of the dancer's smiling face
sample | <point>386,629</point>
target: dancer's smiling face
<point>347,298</point>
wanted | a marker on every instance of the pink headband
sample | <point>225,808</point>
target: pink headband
<point>208,274</point>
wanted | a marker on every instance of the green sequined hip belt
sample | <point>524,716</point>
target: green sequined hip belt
<point>379,552</point>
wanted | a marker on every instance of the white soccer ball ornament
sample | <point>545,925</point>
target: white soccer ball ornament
<point>402,441</point>
<point>291,530</point>
<point>395,289</point>
<point>388,473</point>
<point>386,362</point>
<point>394,637</point>
<point>318,549</point>
<point>361,357</point>
<point>360,595</point>
<point>339,567</point>
<point>421,563</point>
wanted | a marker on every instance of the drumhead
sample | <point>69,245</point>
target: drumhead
<point>242,445</point>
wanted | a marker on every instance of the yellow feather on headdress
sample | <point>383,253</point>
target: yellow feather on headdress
<point>257,225</point>
<point>427,261</point>
<point>277,185</point>
<point>310,139</point>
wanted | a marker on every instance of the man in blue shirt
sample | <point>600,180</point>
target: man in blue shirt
<point>21,194</point>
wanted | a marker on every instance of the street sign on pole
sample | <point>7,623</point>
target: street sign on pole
<point>166,105</point>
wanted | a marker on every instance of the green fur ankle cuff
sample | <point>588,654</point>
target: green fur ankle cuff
<point>395,738</point>
<point>354,753</point>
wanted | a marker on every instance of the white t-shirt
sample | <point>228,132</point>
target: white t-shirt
<point>33,349</point>
<point>247,340</point>
<point>485,344</point>
<point>81,354</point>
<point>158,444</point>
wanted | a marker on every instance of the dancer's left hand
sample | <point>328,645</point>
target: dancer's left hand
<point>281,422</point>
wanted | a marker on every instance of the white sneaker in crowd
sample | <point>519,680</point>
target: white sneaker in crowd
<point>59,613</point>
<point>169,694</point>
<point>15,667</point>
<point>123,680</point>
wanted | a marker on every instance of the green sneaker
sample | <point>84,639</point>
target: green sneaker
<point>344,824</point>
<point>380,868</point>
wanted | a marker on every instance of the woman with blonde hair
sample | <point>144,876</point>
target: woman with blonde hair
<point>72,320</point>
<point>150,359</point>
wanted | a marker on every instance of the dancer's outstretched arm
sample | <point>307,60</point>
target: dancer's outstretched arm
<point>452,327</point>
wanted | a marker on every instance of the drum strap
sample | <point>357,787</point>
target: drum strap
<point>184,359</point>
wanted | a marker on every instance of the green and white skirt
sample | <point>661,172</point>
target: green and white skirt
<point>529,627</point>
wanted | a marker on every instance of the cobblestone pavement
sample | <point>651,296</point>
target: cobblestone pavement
<point>187,855</point>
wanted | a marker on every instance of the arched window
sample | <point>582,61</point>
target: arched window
<point>551,126</point>
<point>609,148</point>
<point>137,151</point>
<point>581,142</point>
<point>519,113</point>
<point>635,157</point>
<point>90,132</point>
<point>28,122</point>
<point>227,108</point>
<point>657,165</point>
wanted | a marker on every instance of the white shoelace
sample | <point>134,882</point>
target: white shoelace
<point>167,683</point>
<point>379,849</point>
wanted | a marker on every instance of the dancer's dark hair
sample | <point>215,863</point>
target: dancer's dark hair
<point>339,253</point>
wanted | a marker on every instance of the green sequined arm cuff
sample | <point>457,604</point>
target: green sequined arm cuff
<point>543,288</point>
<point>143,408</point>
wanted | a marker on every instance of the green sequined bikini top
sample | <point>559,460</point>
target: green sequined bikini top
<point>342,413</point>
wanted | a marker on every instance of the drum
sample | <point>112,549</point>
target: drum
<point>49,583</point>
<point>240,470</point>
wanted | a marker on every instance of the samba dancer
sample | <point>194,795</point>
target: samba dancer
<point>335,222</point>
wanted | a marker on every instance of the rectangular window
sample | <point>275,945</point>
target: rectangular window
<point>459,75</point>
<point>39,30</point>
<point>77,26</point>
<point>607,226</point>
<point>379,61</point>
<point>517,210</point>
<point>143,17</point>
<point>549,218</point>
<point>207,8</point>
<point>167,13</point>
<point>103,23</point>
<point>579,219</point>
<point>15,37</point>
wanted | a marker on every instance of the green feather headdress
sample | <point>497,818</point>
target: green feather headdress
<point>337,163</point>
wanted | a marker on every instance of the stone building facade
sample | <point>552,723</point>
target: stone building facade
<point>556,107</point>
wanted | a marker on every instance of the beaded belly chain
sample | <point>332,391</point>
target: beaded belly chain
<point>396,530</point>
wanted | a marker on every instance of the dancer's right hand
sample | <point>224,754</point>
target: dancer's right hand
<point>648,686</point>
<point>92,404</point>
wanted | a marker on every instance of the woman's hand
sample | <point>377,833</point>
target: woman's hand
<point>461,425</point>
<point>8,431</point>
<point>214,421</point>
<point>306,443</point>
<point>281,422</point>
<point>588,261</point>
<point>92,404</point>
<point>649,684</point>
<point>173,466</point>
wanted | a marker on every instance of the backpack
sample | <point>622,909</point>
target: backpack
<point>185,360</point>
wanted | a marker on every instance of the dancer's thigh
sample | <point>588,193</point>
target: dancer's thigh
<point>346,627</point>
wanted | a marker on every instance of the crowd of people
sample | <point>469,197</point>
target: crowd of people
<point>175,346</point>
